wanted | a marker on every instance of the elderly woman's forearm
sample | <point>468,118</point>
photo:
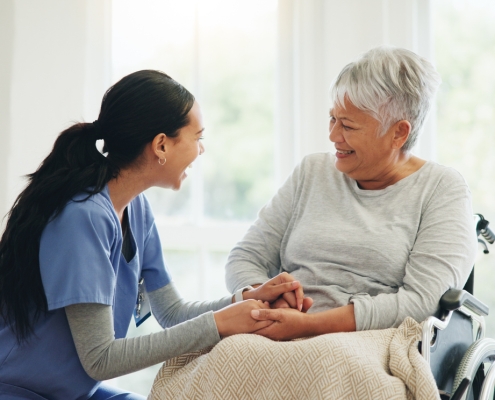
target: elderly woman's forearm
<point>339,319</point>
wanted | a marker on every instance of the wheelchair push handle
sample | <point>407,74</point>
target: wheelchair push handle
<point>483,229</point>
<point>488,235</point>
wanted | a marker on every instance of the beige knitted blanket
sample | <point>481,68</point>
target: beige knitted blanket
<point>382,364</point>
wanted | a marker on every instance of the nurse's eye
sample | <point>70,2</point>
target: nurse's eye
<point>201,138</point>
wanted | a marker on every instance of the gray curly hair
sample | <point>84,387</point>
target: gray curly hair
<point>390,84</point>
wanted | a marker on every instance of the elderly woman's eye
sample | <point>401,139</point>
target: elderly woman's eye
<point>347,128</point>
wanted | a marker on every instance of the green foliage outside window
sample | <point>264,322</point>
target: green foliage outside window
<point>465,57</point>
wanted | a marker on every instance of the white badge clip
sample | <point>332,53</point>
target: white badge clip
<point>142,311</point>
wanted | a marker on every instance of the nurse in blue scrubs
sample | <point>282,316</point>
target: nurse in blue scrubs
<point>81,255</point>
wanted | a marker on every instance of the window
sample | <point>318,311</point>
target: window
<point>224,53</point>
<point>464,42</point>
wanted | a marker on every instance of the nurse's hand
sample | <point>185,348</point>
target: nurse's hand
<point>283,285</point>
<point>236,318</point>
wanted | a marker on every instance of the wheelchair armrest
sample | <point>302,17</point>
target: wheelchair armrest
<point>453,299</point>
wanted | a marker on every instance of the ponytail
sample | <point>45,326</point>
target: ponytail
<point>133,111</point>
<point>74,165</point>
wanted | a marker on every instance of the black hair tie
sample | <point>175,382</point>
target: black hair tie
<point>98,131</point>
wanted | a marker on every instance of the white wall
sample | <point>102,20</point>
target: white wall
<point>317,38</point>
<point>6,58</point>
<point>55,66</point>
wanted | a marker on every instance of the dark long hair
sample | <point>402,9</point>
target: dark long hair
<point>133,111</point>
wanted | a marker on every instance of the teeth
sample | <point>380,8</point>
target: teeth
<point>344,151</point>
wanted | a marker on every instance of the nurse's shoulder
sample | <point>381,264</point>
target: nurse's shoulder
<point>86,213</point>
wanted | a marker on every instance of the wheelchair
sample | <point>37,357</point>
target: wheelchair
<point>453,341</point>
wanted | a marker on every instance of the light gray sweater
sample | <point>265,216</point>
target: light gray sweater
<point>391,252</point>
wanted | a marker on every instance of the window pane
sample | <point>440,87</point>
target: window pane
<point>199,273</point>
<point>155,34</point>
<point>224,52</point>
<point>237,88</point>
<point>464,42</point>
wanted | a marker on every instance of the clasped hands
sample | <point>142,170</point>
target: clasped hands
<point>275,309</point>
<point>282,291</point>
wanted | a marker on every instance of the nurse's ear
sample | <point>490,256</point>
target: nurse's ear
<point>159,147</point>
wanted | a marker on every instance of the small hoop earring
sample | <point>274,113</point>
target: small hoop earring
<point>162,159</point>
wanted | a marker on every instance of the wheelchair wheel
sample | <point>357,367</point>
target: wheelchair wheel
<point>487,392</point>
<point>472,366</point>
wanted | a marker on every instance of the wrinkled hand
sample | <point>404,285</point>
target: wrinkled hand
<point>287,323</point>
<point>236,318</point>
<point>282,284</point>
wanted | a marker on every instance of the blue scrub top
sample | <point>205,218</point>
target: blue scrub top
<point>81,262</point>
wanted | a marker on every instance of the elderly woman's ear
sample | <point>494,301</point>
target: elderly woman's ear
<point>402,129</point>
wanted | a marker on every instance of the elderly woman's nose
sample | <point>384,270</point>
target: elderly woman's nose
<point>335,133</point>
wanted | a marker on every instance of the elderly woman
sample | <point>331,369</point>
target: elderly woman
<point>374,233</point>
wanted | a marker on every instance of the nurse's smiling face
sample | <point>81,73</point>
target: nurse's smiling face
<point>182,150</point>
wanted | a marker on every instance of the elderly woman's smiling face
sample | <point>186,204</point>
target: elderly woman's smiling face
<point>363,153</point>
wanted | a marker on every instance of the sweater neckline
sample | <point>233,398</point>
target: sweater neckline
<point>396,186</point>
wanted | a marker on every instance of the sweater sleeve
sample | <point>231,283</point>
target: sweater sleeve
<point>256,258</point>
<point>104,357</point>
<point>169,308</point>
<point>441,258</point>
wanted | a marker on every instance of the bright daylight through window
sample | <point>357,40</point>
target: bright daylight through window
<point>224,53</point>
<point>465,57</point>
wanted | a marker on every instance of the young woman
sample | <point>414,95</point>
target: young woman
<point>80,253</point>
